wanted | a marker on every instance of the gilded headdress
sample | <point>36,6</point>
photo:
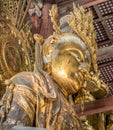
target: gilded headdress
<point>81,24</point>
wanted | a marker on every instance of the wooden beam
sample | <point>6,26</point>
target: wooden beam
<point>50,1</point>
<point>104,53</point>
<point>94,2</point>
<point>103,23</point>
<point>46,28</point>
<point>103,43</point>
<point>102,57</point>
<point>90,108</point>
<point>85,3</point>
<point>106,64</point>
<point>109,16</point>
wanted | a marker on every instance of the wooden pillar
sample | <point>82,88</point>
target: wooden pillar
<point>36,22</point>
<point>46,28</point>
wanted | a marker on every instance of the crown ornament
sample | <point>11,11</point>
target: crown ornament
<point>81,24</point>
<point>54,18</point>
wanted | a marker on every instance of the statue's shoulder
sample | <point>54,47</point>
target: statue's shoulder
<point>24,78</point>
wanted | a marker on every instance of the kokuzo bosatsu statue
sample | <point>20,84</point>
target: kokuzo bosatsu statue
<point>65,64</point>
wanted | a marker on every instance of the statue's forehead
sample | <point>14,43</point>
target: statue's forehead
<point>54,43</point>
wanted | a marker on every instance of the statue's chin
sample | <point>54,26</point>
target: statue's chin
<point>67,85</point>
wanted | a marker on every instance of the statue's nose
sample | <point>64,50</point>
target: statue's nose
<point>27,128</point>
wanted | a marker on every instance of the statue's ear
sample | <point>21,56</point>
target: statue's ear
<point>27,128</point>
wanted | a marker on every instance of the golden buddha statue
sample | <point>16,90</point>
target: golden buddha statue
<point>40,98</point>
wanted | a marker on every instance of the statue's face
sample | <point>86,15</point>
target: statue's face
<point>66,68</point>
<point>67,60</point>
